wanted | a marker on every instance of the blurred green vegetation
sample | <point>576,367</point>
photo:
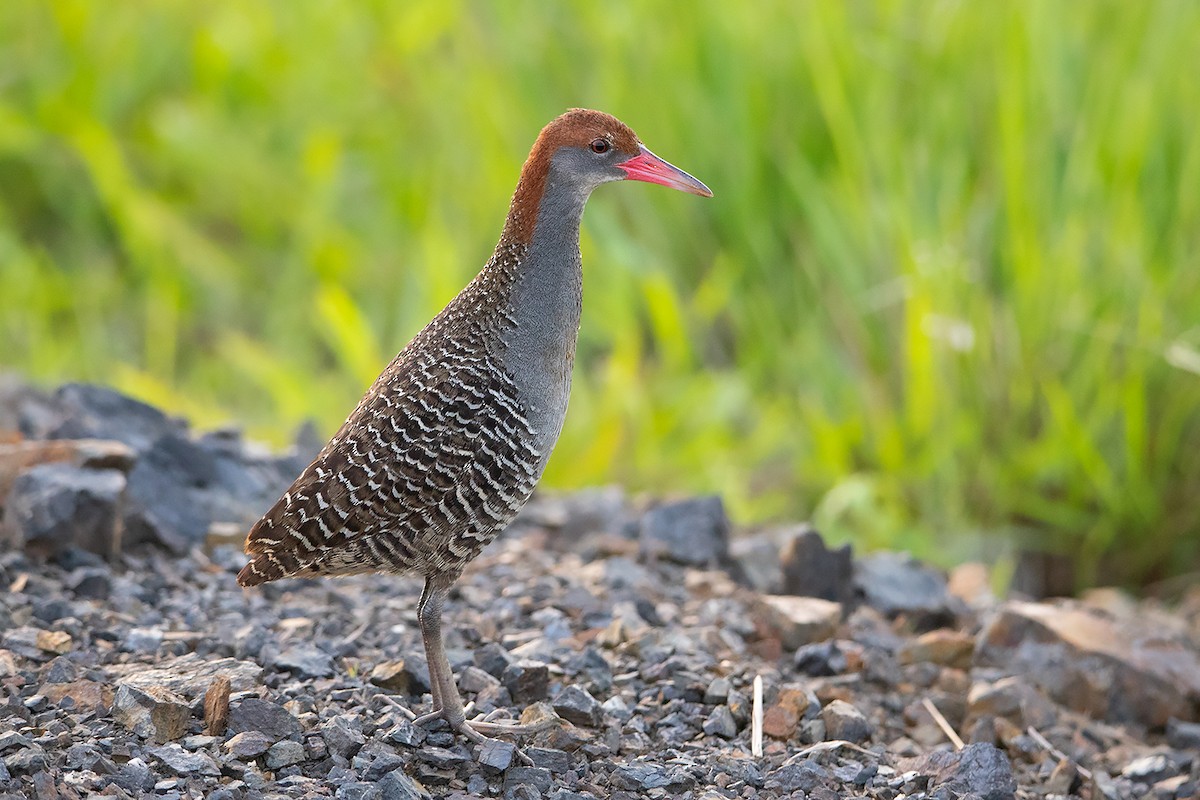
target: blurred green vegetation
<point>947,295</point>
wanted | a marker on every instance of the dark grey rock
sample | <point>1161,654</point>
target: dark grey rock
<point>12,739</point>
<point>693,531</point>
<point>85,411</point>
<point>497,755</point>
<point>52,507</point>
<point>1183,735</point>
<point>343,735</point>
<point>357,790</point>
<point>60,670</point>
<point>979,768</point>
<point>534,777</point>
<point>256,714</point>
<point>575,704</point>
<point>398,786</point>
<point>442,758</point>
<point>646,776</point>
<point>25,760</point>
<point>804,776</point>
<point>181,762</point>
<point>896,583</point>
<point>720,723</point>
<point>717,691</point>
<point>90,583</point>
<point>527,681</point>
<point>407,734</point>
<point>284,754</point>
<point>821,659</point>
<point>811,569</point>
<point>557,761</point>
<point>134,776</point>
<point>492,659</point>
<point>248,745</point>
<point>305,660</point>
<point>381,763</point>
<point>845,722</point>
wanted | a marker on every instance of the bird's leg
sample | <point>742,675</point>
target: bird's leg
<point>447,703</point>
<point>435,689</point>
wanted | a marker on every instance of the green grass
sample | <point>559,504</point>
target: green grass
<point>947,296</point>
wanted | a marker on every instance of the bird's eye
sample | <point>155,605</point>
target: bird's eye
<point>601,145</point>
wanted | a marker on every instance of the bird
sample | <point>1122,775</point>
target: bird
<point>449,441</point>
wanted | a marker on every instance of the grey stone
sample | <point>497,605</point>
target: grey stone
<point>1183,735</point>
<point>90,583</point>
<point>190,675</point>
<point>134,776</point>
<point>284,754</point>
<point>804,776</point>
<point>357,790</point>
<point>811,569</point>
<point>693,531</point>
<point>720,723</point>
<point>87,411</point>
<point>343,735</point>
<point>535,777</point>
<point>492,659</point>
<point>256,714</point>
<point>154,713</point>
<point>896,583</point>
<point>407,734</point>
<point>305,660</point>
<point>381,763</point>
<point>398,786</point>
<point>575,704</point>
<point>53,507</point>
<point>143,640</point>
<point>248,745</point>
<point>557,761</point>
<point>527,681</point>
<point>441,757</point>
<point>408,675</point>
<point>25,759</point>
<point>845,722</point>
<point>646,776</point>
<point>979,768</point>
<point>1150,769</point>
<point>717,691</point>
<point>497,755</point>
<point>181,762</point>
<point>802,620</point>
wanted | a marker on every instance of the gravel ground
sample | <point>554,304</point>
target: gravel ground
<point>636,631</point>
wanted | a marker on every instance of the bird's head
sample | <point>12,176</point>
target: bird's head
<point>591,147</point>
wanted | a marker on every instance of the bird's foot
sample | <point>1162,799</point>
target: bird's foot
<point>478,728</point>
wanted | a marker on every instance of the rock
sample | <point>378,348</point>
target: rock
<point>844,721</point>
<point>834,657</point>
<point>85,411</point>
<point>90,583</point>
<point>256,714</point>
<point>25,760</point>
<point>575,704</point>
<point>645,776</point>
<point>811,570</point>
<point>693,532</point>
<point>407,734</point>
<point>1183,735</point>
<point>343,735</point>
<point>896,583</point>
<point>181,762</point>
<point>54,641</point>
<point>154,713</point>
<point>717,691</point>
<point>134,776</point>
<point>979,769</point>
<point>52,507</point>
<point>216,706</point>
<point>284,754</point>
<point>802,620</point>
<point>397,786</point>
<point>143,640</point>
<point>972,584</point>
<point>492,659</point>
<point>497,755</point>
<point>946,647</point>
<point>721,723</point>
<point>1150,769</point>
<point>85,695</point>
<point>1063,779</point>
<point>1087,661</point>
<point>190,675</point>
<point>557,761</point>
<point>534,777</point>
<point>306,660</point>
<point>248,745</point>
<point>1014,699</point>
<point>798,776</point>
<point>526,680</point>
<point>756,563</point>
<point>408,675</point>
